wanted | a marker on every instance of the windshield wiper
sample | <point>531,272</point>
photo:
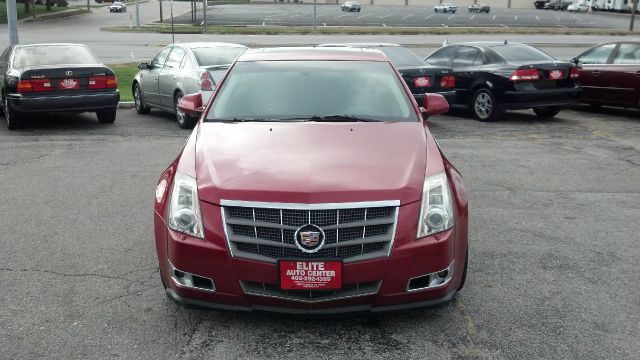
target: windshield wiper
<point>340,118</point>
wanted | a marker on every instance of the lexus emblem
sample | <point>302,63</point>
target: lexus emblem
<point>309,238</point>
<point>68,72</point>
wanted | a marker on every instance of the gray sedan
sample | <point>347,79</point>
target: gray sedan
<point>181,69</point>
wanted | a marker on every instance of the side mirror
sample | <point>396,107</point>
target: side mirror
<point>433,104</point>
<point>143,66</point>
<point>191,105</point>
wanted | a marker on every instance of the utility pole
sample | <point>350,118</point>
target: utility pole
<point>88,6</point>
<point>12,21</point>
<point>204,13</point>
<point>160,10</point>
<point>315,4</point>
<point>633,14</point>
<point>137,14</point>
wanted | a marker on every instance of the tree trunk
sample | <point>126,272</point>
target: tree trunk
<point>27,6</point>
<point>48,2</point>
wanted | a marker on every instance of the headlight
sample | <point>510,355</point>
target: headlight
<point>436,213</point>
<point>184,208</point>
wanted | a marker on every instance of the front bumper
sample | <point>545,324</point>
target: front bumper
<point>64,103</point>
<point>409,259</point>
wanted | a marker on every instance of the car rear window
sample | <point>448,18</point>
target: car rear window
<point>519,53</point>
<point>219,55</point>
<point>54,55</point>
<point>400,56</point>
<point>280,90</point>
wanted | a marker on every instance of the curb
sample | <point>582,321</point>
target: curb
<point>126,105</point>
<point>56,15</point>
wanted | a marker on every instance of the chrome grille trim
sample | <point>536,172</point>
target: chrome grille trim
<point>368,231</point>
<point>350,291</point>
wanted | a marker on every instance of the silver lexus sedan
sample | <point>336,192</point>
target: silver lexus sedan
<point>181,69</point>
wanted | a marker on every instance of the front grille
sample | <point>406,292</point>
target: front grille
<point>353,231</point>
<point>347,291</point>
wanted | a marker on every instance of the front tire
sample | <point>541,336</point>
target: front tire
<point>141,107</point>
<point>107,116</point>
<point>185,121</point>
<point>483,105</point>
<point>14,119</point>
<point>464,271</point>
<point>547,112</point>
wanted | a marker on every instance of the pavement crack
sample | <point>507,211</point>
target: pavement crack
<point>25,161</point>
<point>471,329</point>
<point>120,278</point>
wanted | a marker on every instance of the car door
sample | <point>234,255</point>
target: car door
<point>465,68</point>
<point>4,64</point>
<point>168,77</point>
<point>594,83</point>
<point>149,78</point>
<point>623,75</point>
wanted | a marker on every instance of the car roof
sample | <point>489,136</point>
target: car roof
<point>312,53</point>
<point>360,45</point>
<point>207,44</point>
<point>50,44</point>
<point>489,43</point>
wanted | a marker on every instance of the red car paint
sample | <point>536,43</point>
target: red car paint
<point>357,162</point>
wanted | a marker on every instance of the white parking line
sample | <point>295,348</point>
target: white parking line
<point>362,16</point>
<point>324,24</point>
<point>564,27</point>
<point>558,17</point>
<point>516,18</point>
<point>537,18</point>
<point>132,56</point>
<point>427,18</point>
<point>382,17</point>
<point>339,16</point>
<point>449,18</point>
<point>503,25</point>
<point>493,18</point>
<point>444,25</point>
<point>408,16</point>
<point>383,24</point>
<point>472,17</point>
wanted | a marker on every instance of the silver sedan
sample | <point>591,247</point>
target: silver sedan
<point>181,69</point>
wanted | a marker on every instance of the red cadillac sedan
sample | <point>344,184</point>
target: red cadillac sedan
<point>312,184</point>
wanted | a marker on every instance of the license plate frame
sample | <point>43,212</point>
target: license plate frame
<point>313,281</point>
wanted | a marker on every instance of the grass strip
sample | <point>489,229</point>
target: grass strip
<point>124,74</point>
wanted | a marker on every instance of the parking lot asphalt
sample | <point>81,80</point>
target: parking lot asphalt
<point>554,209</point>
<point>405,16</point>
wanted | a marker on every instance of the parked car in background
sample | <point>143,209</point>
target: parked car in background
<point>493,76</point>
<point>418,75</point>
<point>351,6</point>
<point>578,7</point>
<point>118,7</point>
<point>445,8</point>
<point>610,74</point>
<point>181,69</point>
<point>479,8</point>
<point>539,4</point>
<point>48,78</point>
<point>312,185</point>
<point>557,5</point>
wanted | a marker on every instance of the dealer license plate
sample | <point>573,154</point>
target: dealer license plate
<point>310,275</point>
<point>69,84</point>
<point>556,74</point>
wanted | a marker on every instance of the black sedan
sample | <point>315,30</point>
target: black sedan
<point>479,8</point>
<point>420,77</point>
<point>45,78</point>
<point>492,77</point>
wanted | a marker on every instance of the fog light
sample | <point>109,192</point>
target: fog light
<point>431,280</point>
<point>188,280</point>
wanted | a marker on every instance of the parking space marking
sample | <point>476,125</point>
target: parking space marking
<point>362,16</point>
<point>385,16</point>
<point>537,18</point>
<point>558,17</point>
<point>132,56</point>
<point>408,16</point>
<point>427,18</point>
<point>515,18</point>
<point>503,25</point>
<point>444,25</point>
<point>383,24</point>
<point>449,18</point>
<point>472,17</point>
<point>493,18</point>
<point>564,27</point>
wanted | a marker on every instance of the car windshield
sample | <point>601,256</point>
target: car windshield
<point>218,55</point>
<point>54,55</point>
<point>312,91</point>
<point>400,56</point>
<point>519,53</point>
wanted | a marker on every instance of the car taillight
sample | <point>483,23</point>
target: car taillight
<point>422,81</point>
<point>34,85</point>
<point>448,82</point>
<point>103,82</point>
<point>575,72</point>
<point>24,86</point>
<point>525,75</point>
<point>205,81</point>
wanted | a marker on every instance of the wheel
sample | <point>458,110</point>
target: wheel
<point>547,112</point>
<point>464,271</point>
<point>14,119</point>
<point>141,108</point>
<point>358,10</point>
<point>185,121</point>
<point>484,106</point>
<point>107,116</point>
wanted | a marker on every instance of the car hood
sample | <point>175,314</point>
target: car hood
<point>309,162</point>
